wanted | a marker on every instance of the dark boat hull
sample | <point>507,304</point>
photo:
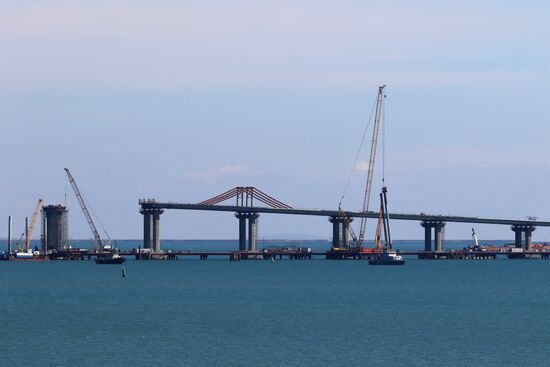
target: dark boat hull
<point>108,261</point>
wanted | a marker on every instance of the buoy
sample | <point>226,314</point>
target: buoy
<point>123,272</point>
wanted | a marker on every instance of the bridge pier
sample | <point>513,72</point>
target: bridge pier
<point>518,232</point>
<point>252,219</point>
<point>151,228</point>
<point>242,231</point>
<point>146,228</point>
<point>437,227</point>
<point>427,237</point>
<point>156,230</point>
<point>335,232</point>
<point>439,236</point>
<point>252,231</point>
<point>529,238</point>
<point>523,236</point>
<point>340,232</point>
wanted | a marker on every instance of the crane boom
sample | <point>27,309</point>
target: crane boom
<point>372,161</point>
<point>34,219</point>
<point>80,200</point>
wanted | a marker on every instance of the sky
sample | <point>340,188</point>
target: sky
<point>183,100</point>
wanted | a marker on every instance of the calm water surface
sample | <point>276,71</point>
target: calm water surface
<point>287,313</point>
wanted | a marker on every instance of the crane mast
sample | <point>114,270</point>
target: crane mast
<point>34,219</point>
<point>80,200</point>
<point>372,161</point>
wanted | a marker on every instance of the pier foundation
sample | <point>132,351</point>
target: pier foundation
<point>252,231</point>
<point>438,228</point>
<point>156,230</point>
<point>252,219</point>
<point>151,229</point>
<point>340,232</point>
<point>523,236</point>
<point>146,228</point>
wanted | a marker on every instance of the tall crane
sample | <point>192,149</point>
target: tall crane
<point>34,220</point>
<point>80,200</point>
<point>372,161</point>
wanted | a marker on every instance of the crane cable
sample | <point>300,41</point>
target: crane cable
<point>98,220</point>
<point>384,140</point>
<point>91,209</point>
<point>354,167</point>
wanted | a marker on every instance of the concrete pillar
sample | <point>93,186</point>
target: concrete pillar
<point>427,236</point>
<point>345,234</point>
<point>156,230</point>
<point>242,230</point>
<point>9,237</point>
<point>517,231</point>
<point>335,231</point>
<point>252,231</point>
<point>438,237</point>
<point>146,228</point>
<point>529,238</point>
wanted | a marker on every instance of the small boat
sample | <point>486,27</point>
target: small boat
<point>24,254</point>
<point>112,258</point>
<point>388,258</point>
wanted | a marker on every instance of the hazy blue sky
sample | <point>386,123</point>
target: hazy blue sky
<point>182,100</point>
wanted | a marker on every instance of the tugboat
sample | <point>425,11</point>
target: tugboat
<point>110,258</point>
<point>388,258</point>
<point>388,255</point>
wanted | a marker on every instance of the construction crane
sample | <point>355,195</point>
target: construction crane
<point>372,161</point>
<point>370,171</point>
<point>358,240</point>
<point>34,220</point>
<point>80,200</point>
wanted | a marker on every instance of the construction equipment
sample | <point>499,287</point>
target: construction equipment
<point>358,240</point>
<point>34,220</point>
<point>388,255</point>
<point>17,246</point>
<point>102,244</point>
<point>378,236</point>
<point>372,161</point>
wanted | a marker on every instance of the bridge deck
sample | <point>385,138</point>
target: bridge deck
<point>150,204</point>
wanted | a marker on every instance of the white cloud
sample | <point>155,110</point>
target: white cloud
<point>362,166</point>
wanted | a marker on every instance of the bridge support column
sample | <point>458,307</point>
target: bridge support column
<point>335,231</point>
<point>147,216</point>
<point>345,232</point>
<point>340,232</point>
<point>518,230</point>
<point>427,236</point>
<point>439,236</point>
<point>242,230</point>
<point>523,236</point>
<point>156,230</point>
<point>529,238</point>
<point>252,231</point>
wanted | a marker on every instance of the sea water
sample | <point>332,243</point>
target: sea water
<point>287,313</point>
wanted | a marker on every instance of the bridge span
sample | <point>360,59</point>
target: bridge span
<point>247,212</point>
<point>152,204</point>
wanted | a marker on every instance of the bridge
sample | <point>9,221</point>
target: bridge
<point>245,211</point>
